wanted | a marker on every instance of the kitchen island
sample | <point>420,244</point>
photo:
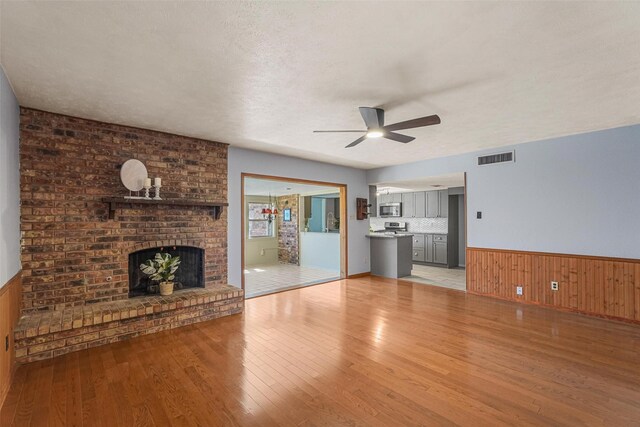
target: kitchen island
<point>391,254</point>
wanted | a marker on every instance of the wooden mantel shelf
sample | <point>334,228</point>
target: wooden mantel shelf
<point>114,202</point>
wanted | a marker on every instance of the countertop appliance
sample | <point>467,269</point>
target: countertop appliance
<point>387,210</point>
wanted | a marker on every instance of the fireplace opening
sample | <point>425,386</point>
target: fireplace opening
<point>189,275</point>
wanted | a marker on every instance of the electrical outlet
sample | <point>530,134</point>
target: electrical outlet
<point>554,286</point>
<point>519,290</point>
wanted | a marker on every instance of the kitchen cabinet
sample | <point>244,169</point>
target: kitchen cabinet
<point>428,244</point>
<point>408,206</point>
<point>440,252</point>
<point>437,204</point>
<point>384,198</point>
<point>418,255</point>
<point>396,198</point>
<point>420,204</point>
<point>432,204</point>
<point>413,205</point>
<point>430,248</point>
<point>443,203</point>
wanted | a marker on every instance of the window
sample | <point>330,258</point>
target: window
<point>259,226</point>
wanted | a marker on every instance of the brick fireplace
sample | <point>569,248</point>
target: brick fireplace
<point>189,275</point>
<point>76,259</point>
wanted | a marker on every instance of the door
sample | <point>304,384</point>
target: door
<point>408,208</point>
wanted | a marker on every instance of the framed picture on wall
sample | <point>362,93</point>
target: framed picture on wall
<point>286,214</point>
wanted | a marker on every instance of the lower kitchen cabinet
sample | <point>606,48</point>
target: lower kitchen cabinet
<point>428,244</point>
<point>418,255</point>
<point>440,252</point>
<point>430,248</point>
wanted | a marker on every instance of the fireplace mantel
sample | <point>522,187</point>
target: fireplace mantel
<point>114,202</point>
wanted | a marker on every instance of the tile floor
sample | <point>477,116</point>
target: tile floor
<point>452,278</point>
<point>267,279</point>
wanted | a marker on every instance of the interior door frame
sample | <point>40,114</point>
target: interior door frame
<point>344,221</point>
<point>466,233</point>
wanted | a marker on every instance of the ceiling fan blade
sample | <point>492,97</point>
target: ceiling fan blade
<point>333,131</point>
<point>415,123</point>
<point>357,141</point>
<point>398,137</point>
<point>373,117</point>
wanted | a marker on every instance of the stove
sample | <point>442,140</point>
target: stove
<point>395,227</point>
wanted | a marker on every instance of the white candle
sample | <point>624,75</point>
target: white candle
<point>147,182</point>
<point>157,182</point>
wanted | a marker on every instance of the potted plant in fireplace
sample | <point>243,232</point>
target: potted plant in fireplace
<point>162,269</point>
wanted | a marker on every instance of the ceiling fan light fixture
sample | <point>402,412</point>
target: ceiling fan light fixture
<point>374,134</point>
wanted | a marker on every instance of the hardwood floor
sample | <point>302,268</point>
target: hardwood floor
<point>366,351</point>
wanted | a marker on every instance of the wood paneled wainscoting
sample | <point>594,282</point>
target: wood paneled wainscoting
<point>600,286</point>
<point>10,296</point>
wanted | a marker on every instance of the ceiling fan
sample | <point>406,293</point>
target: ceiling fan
<point>374,119</point>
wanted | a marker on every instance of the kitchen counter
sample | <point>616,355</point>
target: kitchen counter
<point>387,236</point>
<point>391,254</point>
<point>444,233</point>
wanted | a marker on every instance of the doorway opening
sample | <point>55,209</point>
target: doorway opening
<point>433,210</point>
<point>294,233</point>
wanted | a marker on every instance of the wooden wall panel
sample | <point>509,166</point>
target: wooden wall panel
<point>607,287</point>
<point>10,296</point>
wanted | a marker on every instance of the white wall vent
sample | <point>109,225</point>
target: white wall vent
<point>509,156</point>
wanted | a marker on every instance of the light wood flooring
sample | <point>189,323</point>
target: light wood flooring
<point>366,352</point>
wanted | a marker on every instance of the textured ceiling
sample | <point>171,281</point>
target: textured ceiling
<point>264,75</point>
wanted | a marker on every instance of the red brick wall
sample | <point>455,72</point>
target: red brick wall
<point>72,254</point>
<point>288,237</point>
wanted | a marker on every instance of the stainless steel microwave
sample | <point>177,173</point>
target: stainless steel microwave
<point>388,210</point>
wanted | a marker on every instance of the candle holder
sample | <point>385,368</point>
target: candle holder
<point>157,188</point>
<point>146,191</point>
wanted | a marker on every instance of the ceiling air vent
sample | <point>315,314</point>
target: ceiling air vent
<point>496,158</point>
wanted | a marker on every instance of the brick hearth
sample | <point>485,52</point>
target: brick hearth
<point>52,333</point>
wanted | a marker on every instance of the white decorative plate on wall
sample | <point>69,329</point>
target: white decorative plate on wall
<point>132,174</point>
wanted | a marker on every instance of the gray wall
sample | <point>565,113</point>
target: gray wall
<point>9,182</point>
<point>249,161</point>
<point>578,194</point>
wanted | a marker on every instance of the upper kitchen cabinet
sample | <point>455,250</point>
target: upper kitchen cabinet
<point>420,204</point>
<point>433,204</point>
<point>414,205</point>
<point>396,198</point>
<point>443,199</point>
<point>408,206</point>
<point>384,198</point>
<point>437,204</point>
